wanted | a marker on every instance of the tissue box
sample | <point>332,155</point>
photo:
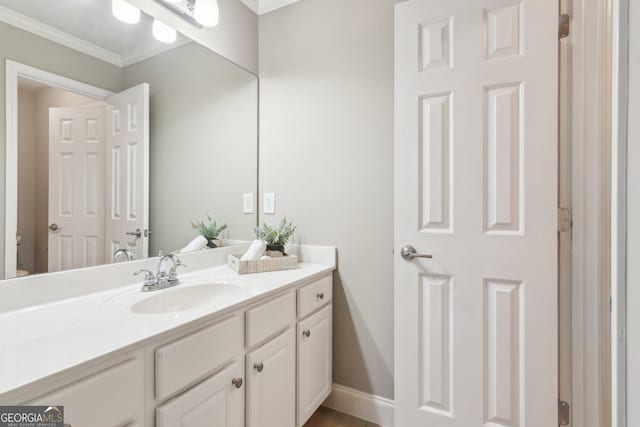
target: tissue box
<point>288,262</point>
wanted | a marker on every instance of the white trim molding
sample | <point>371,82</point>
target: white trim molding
<point>261,7</point>
<point>14,70</point>
<point>369,407</point>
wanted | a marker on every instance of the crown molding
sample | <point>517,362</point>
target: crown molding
<point>18,20</point>
<point>25,23</point>
<point>267,6</point>
<point>252,4</point>
<point>260,7</point>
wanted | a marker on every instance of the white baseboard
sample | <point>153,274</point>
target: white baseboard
<point>375,409</point>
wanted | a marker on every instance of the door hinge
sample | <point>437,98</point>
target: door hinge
<point>564,26</point>
<point>564,413</point>
<point>564,220</point>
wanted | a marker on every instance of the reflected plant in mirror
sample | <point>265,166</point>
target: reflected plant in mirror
<point>210,230</point>
<point>112,131</point>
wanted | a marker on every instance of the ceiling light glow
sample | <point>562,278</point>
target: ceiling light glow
<point>163,33</point>
<point>125,12</point>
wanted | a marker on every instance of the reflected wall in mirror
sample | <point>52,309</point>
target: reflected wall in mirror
<point>119,141</point>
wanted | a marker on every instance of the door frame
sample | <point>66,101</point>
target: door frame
<point>15,70</point>
<point>594,364</point>
<point>620,93</point>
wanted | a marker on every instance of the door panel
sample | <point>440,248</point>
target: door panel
<point>76,182</point>
<point>476,187</point>
<point>271,388</point>
<point>314,362</point>
<point>128,171</point>
<point>216,402</point>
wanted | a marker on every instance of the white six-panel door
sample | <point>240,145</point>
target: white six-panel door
<point>476,187</point>
<point>76,182</point>
<point>128,172</point>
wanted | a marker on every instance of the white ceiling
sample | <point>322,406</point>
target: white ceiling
<point>88,26</point>
<point>265,6</point>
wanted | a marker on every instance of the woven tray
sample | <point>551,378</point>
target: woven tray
<point>288,262</point>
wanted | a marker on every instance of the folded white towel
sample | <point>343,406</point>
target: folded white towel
<point>195,245</point>
<point>256,250</point>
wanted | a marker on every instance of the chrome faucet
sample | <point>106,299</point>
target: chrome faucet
<point>162,279</point>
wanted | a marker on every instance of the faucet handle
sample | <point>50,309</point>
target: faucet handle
<point>149,276</point>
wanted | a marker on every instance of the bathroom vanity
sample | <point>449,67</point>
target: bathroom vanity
<point>218,350</point>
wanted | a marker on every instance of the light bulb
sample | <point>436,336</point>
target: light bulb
<point>206,12</point>
<point>125,12</point>
<point>163,33</point>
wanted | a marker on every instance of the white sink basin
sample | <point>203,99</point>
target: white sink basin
<point>180,299</point>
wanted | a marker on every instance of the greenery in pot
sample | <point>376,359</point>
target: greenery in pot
<point>277,237</point>
<point>209,229</point>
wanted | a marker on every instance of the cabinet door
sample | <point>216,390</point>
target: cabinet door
<point>271,383</point>
<point>119,388</point>
<point>314,362</point>
<point>217,402</point>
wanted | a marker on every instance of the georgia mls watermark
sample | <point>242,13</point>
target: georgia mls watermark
<point>32,416</point>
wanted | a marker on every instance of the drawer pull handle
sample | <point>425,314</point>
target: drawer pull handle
<point>237,382</point>
<point>258,367</point>
<point>320,295</point>
<point>306,333</point>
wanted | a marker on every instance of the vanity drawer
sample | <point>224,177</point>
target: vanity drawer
<point>315,295</point>
<point>191,358</point>
<point>270,318</point>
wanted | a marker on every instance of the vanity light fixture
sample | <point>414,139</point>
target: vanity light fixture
<point>163,33</point>
<point>199,13</point>
<point>206,12</point>
<point>125,12</point>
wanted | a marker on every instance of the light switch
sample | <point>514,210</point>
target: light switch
<point>247,203</point>
<point>269,203</point>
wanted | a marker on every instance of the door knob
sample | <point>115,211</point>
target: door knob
<point>237,382</point>
<point>306,333</point>
<point>54,227</point>
<point>408,253</point>
<point>137,233</point>
<point>320,295</point>
<point>258,366</point>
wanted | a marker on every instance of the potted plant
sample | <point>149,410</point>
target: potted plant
<point>210,230</point>
<point>276,238</point>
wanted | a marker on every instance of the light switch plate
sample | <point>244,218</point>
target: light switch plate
<point>269,204</point>
<point>247,203</point>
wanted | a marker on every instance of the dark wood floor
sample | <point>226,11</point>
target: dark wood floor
<point>325,417</point>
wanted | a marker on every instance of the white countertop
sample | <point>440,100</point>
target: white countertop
<point>40,341</point>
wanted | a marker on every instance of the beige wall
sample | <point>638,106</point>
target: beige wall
<point>633,220</point>
<point>29,49</point>
<point>326,150</point>
<point>203,148</point>
<point>27,175</point>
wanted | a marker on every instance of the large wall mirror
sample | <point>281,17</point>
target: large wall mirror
<point>119,136</point>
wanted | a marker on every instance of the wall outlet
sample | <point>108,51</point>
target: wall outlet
<point>247,203</point>
<point>269,203</point>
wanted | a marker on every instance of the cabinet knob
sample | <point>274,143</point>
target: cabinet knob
<point>237,382</point>
<point>320,295</point>
<point>306,333</point>
<point>258,367</point>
